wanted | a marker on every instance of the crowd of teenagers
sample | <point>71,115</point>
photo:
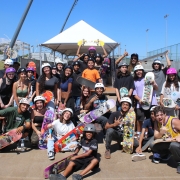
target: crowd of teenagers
<point>19,89</point>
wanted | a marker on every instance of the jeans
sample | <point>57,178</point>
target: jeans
<point>102,120</point>
<point>50,143</point>
<point>165,148</point>
<point>77,100</point>
<point>112,134</point>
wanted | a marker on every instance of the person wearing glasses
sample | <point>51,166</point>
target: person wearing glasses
<point>159,73</point>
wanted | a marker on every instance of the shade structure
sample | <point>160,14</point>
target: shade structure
<point>66,42</point>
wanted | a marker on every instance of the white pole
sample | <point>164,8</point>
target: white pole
<point>166,37</point>
<point>147,42</point>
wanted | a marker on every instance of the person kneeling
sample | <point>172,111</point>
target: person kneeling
<point>87,159</point>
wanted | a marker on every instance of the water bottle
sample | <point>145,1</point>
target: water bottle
<point>22,145</point>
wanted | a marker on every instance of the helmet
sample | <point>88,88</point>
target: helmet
<point>76,63</point>
<point>92,48</point>
<point>58,61</point>
<point>53,67</point>
<point>126,99</point>
<point>122,64</point>
<point>9,70</point>
<point>20,70</point>
<point>45,65</point>
<point>68,109</point>
<point>24,101</point>
<point>9,62</point>
<point>68,66</point>
<point>30,69</point>
<point>152,108</point>
<point>39,98</point>
<point>135,54</point>
<point>98,85</point>
<point>156,61</point>
<point>91,59</point>
<point>171,71</point>
<point>138,67</point>
<point>98,55</point>
<point>89,128</point>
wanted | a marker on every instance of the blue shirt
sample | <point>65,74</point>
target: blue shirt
<point>64,86</point>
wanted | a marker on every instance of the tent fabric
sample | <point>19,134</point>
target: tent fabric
<point>66,42</point>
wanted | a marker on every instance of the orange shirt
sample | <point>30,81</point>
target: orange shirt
<point>91,74</point>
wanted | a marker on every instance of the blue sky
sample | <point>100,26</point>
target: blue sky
<point>125,21</point>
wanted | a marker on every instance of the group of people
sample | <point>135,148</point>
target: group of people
<point>19,89</point>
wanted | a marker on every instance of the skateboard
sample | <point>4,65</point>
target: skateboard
<point>168,103</point>
<point>48,95</point>
<point>73,135</point>
<point>176,97</point>
<point>32,65</point>
<point>162,140</point>
<point>9,138</point>
<point>48,118</point>
<point>57,167</point>
<point>84,42</point>
<point>94,114</point>
<point>123,92</point>
<point>105,66</point>
<point>128,131</point>
<point>148,143</point>
<point>85,82</point>
<point>147,90</point>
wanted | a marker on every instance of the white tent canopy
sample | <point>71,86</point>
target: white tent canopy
<point>66,42</point>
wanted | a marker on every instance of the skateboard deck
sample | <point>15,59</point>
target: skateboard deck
<point>128,131</point>
<point>48,118</point>
<point>85,82</point>
<point>48,95</point>
<point>94,114</point>
<point>105,66</point>
<point>33,65</point>
<point>84,42</point>
<point>176,97</point>
<point>168,103</point>
<point>162,140</point>
<point>9,138</point>
<point>123,92</point>
<point>73,135</point>
<point>57,167</point>
<point>148,143</point>
<point>147,90</point>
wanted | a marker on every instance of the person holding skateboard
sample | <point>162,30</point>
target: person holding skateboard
<point>139,84</point>
<point>166,127</point>
<point>17,117</point>
<point>159,73</point>
<point>169,86</point>
<point>146,135</point>
<point>123,79</point>
<point>91,73</point>
<point>114,127</point>
<point>87,160</point>
<point>61,127</point>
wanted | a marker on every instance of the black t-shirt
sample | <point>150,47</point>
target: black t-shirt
<point>86,146</point>
<point>76,87</point>
<point>83,66</point>
<point>124,81</point>
<point>95,104</point>
<point>149,124</point>
<point>2,72</point>
<point>112,117</point>
<point>49,84</point>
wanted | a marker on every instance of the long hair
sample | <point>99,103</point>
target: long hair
<point>169,82</point>
<point>120,74</point>
<point>85,98</point>
<point>64,78</point>
<point>136,77</point>
<point>42,81</point>
<point>61,118</point>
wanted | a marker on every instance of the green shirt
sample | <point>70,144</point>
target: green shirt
<point>13,118</point>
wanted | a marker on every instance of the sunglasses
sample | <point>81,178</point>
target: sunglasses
<point>156,63</point>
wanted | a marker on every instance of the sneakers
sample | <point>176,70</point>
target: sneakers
<point>107,154</point>
<point>178,168</point>
<point>77,177</point>
<point>156,158</point>
<point>138,157</point>
<point>56,177</point>
<point>51,155</point>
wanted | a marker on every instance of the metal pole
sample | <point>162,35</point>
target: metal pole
<point>40,64</point>
<point>166,37</point>
<point>54,57</point>
<point>75,1</point>
<point>147,42</point>
<point>20,24</point>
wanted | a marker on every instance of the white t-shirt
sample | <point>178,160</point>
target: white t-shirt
<point>62,129</point>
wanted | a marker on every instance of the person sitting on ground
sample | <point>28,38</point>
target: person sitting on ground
<point>169,86</point>
<point>94,102</point>
<point>37,117</point>
<point>91,73</point>
<point>87,160</point>
<point>114,127</point>
<point>123,79</point>
<point>164,127</point>
<point>61,127</point>
<point>7,63</point>
<point>146,135</point>
<point>159,73</point>
<point>17,117</point>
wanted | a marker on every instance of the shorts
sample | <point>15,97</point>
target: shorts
<point>142,114</point>
<point>82,163</point>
